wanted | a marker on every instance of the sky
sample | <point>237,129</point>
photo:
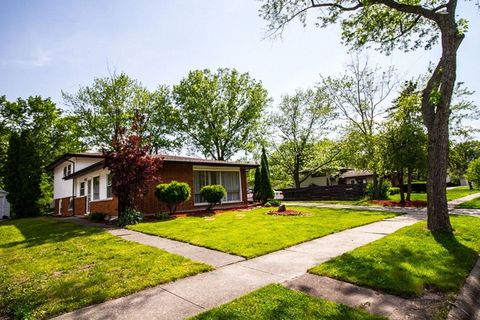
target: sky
<point>49,46</point>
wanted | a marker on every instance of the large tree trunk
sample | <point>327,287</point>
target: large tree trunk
<point>402,186</point>
<point>436,99</point>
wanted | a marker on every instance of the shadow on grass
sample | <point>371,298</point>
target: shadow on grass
<point>38,231</point>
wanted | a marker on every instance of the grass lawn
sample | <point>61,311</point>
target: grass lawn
<point>472,204</point>
<point>452,194</point>
<point>412,259</point>
<point>277,302</point>
<point>48,267</point>
<point>254,233</point>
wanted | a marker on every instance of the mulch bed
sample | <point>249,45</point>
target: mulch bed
<point>285,213</point>
<point>411,204</point>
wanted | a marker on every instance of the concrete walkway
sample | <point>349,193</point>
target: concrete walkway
<point>193,295</point>
<point>212,257</point>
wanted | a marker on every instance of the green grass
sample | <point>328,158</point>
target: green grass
<point>412,259</point>
<point>472,204</point>
<point>48,267</point>
<point>254,233</point>
<point>452,194</point>
<point>276,302</point>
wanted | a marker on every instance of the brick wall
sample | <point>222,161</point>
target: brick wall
<point>64,207</point>
<point>109,207</point>
<point>80,205</point>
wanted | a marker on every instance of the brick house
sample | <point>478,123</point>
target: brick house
<point>82,185</point>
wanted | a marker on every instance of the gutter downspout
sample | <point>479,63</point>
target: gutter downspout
<point>73,188</point>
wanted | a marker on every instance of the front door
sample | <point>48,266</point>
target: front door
<point>89,194</point>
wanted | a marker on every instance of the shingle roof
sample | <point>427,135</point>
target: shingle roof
<point>166,158</point>
<point>356,173</point>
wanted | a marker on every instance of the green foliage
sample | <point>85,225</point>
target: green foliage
<point>264,191</point>
<point>112,102</point>
<point>173,194</point>
<point>220,112</point>
<point>382,191</point>
<point>213,194</point>
<point>411,260</point>
<point>254,233</point>
<point>277,302</point>
<point>393,190</point>
<point>97,216</point>
<point>473,172</point>
<point>274,202</point>
<point>461,154</point>
<point>23,174</point>
<point>50,267</point>
<point>256,186</point>
<point>129,217</point>
<point>301,120</point>
<point>162,215</point>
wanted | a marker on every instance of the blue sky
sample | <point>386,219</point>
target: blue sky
<point>48,46</point>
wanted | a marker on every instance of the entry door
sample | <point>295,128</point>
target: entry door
<point>89,194</point>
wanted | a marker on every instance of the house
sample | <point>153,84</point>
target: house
<point>83,185</point>
<point>4,205</point>
<point>342,177</point>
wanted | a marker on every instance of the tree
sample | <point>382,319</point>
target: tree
<point>407,26</point>
<point>173,194</point>
<point>264,190</point>
<point>220,112</point>
<point>473,172</point>
<point>461,154</point>
<point>23,175</point>
<point>301,120</point>
<point>405,138</point>
<point>256,185</point>
<point>131,167</point>
<point>110,104</point>
<point>359,96</point>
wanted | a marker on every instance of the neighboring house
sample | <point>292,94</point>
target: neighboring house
<point>4,205</point>
<point>82,185</point>
<point>342,177</point>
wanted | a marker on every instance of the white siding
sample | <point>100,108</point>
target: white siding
<point>63,188</point>
<point>4,205</point>
<point>102,173</point>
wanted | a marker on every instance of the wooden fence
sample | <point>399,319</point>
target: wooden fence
<point>338,192</point>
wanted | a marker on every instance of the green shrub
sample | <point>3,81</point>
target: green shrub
<point>130,216</point>
<point>418,186</point>
<point>213,194</point>
<point>383,190</point>
<point>162,215</point>
<point>274,202</point>
<point>97,216</point>
<point>173,194</point>
<point>393,190</point>
<point>473,172</point>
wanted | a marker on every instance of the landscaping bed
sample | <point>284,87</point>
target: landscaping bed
<point>251,233</point>
<point>277,302</point>
<point>412,261</point>
<point>49,266</point>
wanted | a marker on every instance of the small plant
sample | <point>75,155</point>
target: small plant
<point>131,216</point>
<point>97,216</point>
<point>162,215</point>
<point>173,194</point>
<point>213,194</point>
<point>275,202</point>
<point>383,191</point>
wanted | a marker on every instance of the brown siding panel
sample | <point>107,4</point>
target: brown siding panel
<point>109,207</point>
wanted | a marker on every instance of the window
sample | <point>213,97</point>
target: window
<point>229,179</point>
<point>82,189</point>
<point>96,188</point>
<point>109,185</point>
<point>67,170</point>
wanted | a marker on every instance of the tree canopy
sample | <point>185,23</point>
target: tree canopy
<point>220,112</point>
